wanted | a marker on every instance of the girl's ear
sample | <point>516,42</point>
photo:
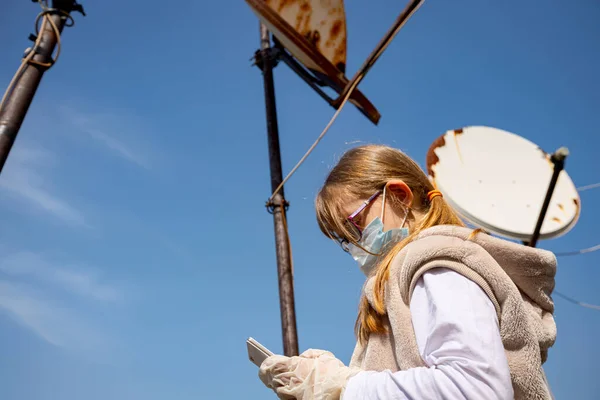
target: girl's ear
<point>400,191</point>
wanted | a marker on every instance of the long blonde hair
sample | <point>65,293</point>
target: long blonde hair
<point>361,172</point>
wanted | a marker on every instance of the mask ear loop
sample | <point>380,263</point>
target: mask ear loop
<point>383,204</point>
<point>406,210</point>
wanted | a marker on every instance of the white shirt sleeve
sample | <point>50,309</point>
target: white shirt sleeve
<point>458,337</point>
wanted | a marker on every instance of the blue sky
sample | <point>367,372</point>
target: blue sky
<point>136,255</point>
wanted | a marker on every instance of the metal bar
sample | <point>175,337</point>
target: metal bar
<point>558,160</point>
<point>278,205</point>
<point>408,11</point>
<point>27,79</point>
<point>19,99</point>
<point>315,81</point>
<point>304,75</point>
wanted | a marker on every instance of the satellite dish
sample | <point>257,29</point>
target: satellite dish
<point>498,181</point>
<point>314,33</point>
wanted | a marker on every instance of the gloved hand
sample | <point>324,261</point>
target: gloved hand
<point>314,375</point>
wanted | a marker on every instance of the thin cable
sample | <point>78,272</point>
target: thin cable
<point>578,252</point>
<point>390,36</point>
<point>310,150</point>
<point>360,75</point>
<point>588,187</point>
<point>44,16</point>
<point>46,11</point>
<point>577,302</point>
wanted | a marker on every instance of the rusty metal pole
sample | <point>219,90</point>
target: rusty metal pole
<point>558,160</point>
<point>278,205</point>
<point>26,82</point>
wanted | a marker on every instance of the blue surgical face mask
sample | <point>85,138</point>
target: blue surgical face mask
<point>376,241</point>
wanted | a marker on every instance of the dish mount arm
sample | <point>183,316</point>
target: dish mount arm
<point>558,161</point>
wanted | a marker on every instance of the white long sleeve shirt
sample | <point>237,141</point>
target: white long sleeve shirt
<point>457,333</point>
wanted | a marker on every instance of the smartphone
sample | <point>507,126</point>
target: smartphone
<point>257,352</point>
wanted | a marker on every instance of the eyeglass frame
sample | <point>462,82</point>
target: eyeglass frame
<point>344,243</point>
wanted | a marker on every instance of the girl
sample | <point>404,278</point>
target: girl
<point>446,312</point>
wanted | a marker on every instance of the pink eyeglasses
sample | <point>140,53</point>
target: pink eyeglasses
<point>344,243</point>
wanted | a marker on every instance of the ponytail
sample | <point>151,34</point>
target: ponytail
<point>372,317</point>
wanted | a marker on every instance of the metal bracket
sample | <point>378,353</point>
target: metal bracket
<point>313,81</point>
<point>271,205</point>
<point>67,6</point>
<point>272,53</point>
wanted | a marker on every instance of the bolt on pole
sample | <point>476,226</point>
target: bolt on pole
<point>20,93</point>
<point>278,205</point>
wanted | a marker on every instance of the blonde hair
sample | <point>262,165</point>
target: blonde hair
<point>361,172</point>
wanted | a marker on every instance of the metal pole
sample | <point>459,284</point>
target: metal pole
<point>19,99</point>
<point>278,205</point>
<point>558,160</point>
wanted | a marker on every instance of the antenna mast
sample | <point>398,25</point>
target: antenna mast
<point>277,206</point>
<point>37,60</point>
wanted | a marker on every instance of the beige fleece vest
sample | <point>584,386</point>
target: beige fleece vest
<point>517,279</point>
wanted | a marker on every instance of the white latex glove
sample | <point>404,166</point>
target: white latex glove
<point>314,375</point>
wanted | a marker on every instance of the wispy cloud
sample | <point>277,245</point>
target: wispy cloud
<point>26,178</point>
<point>52,322</point>
<point>118,147</point>
<point>82,282</point>
<point>109,130</point>
<point>57,303</point>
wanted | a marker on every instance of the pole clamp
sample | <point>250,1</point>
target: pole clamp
<point>273,54</point>
<point>271,205</point>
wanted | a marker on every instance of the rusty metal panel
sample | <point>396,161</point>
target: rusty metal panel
<point>307,53</point>
<point>321,22</point>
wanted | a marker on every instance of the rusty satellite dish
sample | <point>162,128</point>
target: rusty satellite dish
<point>311,35</point>
<point>498,181</point>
